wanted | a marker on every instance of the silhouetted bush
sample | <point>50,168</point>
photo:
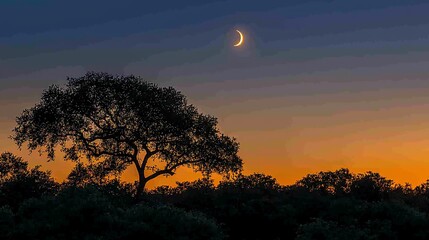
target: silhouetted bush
<point>323,230</point>
<point>326,205</point>
<point>6,222</point>
<point>18,182</point>
<point>88,214</point>
<point>337,182</point>
<point>371,187</point>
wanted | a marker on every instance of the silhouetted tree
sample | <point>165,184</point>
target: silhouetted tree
<point>371,186</point>
<point>117,121</point>
<point>337,182</point>
<point>18,182</point>
<point>248,207</point>
<point>420,196</point>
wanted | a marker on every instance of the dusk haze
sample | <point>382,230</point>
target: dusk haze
<point>278,88</point>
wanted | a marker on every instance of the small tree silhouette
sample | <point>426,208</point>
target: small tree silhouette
<point>18,182</point>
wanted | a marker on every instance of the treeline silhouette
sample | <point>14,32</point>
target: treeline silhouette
<point>106,124</point>
<point>326,205</point>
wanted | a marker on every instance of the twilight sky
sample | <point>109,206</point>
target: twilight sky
<point>318,85</point>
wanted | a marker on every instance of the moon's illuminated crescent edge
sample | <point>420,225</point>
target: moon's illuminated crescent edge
<point>241,39</point>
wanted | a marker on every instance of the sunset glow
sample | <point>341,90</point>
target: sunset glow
<point>318,85</point>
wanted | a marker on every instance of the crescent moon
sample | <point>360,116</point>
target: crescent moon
<point>241,39</point>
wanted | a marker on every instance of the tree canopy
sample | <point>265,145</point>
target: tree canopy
<point>117,121</point>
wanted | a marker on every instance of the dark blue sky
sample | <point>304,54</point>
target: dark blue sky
<point>313,77</point>
<point>34,27</point>
<point>42,15</point>
<point>128,31</point>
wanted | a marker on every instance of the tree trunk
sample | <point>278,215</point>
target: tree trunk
<point>141,185</point>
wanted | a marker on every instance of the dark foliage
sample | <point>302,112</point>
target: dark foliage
<point>327,205</point>
<point>18,182</point>
<point>89,214</point>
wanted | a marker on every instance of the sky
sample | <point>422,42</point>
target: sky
<point>316,86</point>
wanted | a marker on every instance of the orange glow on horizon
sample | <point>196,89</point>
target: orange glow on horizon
<point>297,135</point>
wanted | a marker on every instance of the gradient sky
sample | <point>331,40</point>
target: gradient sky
<point>318,85</point>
